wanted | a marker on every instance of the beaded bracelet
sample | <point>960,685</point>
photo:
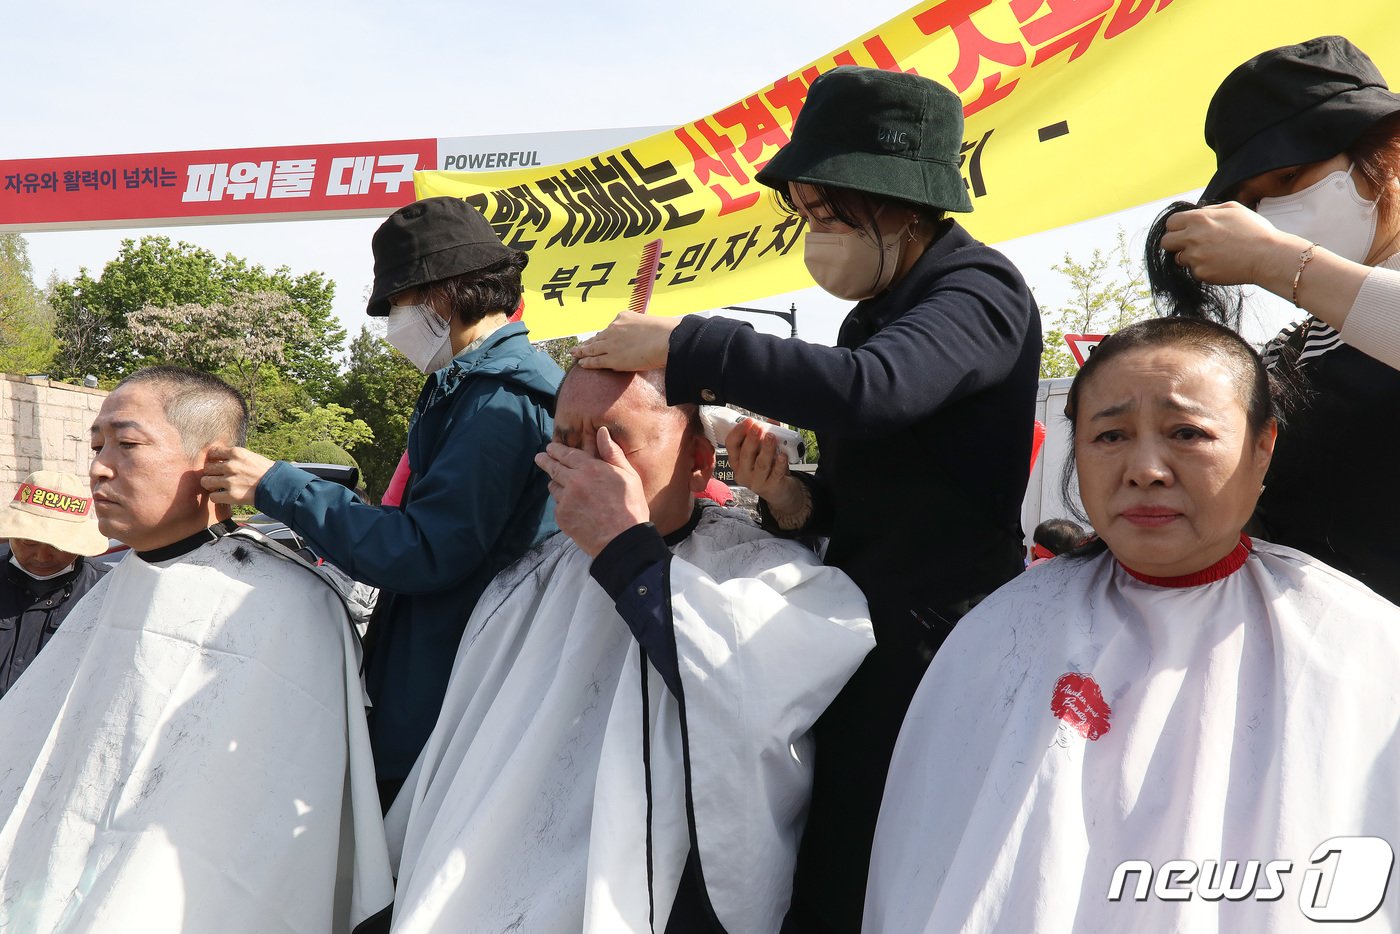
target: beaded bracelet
<point>1303,259</point>
<point>802,516</point>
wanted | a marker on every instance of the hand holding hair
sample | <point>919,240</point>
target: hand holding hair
<point>1228,244</point>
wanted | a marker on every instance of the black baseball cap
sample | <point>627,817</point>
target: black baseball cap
<point>1291,106</point>
<point>427,241</point>
<point>881,132</point>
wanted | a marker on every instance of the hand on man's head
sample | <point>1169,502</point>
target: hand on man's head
<point>596,492</point>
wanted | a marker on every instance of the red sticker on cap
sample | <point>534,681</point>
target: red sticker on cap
<point>1078,701</point>
<point>52,499</point>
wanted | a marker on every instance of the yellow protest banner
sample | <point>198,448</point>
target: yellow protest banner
<point>1074,109</point>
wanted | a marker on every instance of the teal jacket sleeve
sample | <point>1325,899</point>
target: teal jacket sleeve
<point>481,466</point>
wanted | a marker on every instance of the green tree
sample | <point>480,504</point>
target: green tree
<point>27,341</point>
<point>308,430</point>
<point>558,349</point>
<point>381,387</point>
<point>1107,293</point>
<point>92,313</point>
<point>325,452</point>
<point>248,339</point>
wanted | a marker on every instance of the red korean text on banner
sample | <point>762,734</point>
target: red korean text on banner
<point>345,179</point>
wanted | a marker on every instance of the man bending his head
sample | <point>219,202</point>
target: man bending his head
<point>190,751</point>
<point>624,745</point>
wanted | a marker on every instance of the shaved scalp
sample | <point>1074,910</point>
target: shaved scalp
<point>597,384</point>
<point>202,408</point>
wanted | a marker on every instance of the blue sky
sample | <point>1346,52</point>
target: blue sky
<point>153,75</point>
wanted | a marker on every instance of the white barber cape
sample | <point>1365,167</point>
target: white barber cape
<point>1080,717</point>
<point>189,755</point>
<point>553,796</point>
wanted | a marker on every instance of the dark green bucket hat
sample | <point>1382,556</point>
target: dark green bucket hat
<point>427,241</point>
<point>881,132</point>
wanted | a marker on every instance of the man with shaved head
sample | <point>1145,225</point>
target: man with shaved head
<point>152,430</point>
<point>625,740</point>
<point>189,753</point>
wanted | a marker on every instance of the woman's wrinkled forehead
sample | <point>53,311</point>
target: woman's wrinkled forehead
<point>1177,369</point>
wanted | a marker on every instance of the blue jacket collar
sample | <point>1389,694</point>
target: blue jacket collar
<point>506,354</point>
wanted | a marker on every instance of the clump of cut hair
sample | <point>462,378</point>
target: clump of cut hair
<point>1178,294</point>
<point>202,408</point>
<point>1175,292</point>
<point>474,295</point>
<point>1376,154</point>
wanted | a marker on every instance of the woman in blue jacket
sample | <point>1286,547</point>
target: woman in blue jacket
<point>474,500</point>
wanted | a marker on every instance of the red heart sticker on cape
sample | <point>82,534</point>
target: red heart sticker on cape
<point>1079,702</point>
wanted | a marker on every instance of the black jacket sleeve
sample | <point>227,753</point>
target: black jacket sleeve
<point>955,327</point>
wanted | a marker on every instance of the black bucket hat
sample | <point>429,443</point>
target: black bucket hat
<point>1291,106</point>
<point>427,241</point>
<point>881,132</point>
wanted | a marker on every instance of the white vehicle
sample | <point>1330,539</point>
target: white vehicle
<point>1044,499</point>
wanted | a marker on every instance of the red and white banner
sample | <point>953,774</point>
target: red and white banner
<point>342,179</point>
<point>275,183</point>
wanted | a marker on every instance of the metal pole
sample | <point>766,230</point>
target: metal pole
<point>790,316</point>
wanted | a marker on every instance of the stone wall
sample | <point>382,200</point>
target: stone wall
<point>43,426</point>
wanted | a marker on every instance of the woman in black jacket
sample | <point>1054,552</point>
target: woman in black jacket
<point>1305,202</point>
<point>923,412</point>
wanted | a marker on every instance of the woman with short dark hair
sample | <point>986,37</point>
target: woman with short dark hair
<point>474,501</point>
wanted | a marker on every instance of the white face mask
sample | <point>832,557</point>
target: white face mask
<point>851,265</point>
<point>420,334</point>
<point>41,577</point>
<point>1331,213</point>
